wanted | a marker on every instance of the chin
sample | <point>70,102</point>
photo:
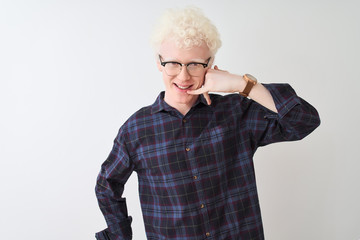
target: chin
<point>186,99</point>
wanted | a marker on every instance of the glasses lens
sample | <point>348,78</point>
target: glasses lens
<point>195,69</point>
<point>172,68</point>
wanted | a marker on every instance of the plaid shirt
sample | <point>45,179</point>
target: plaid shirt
<point>195,172</point>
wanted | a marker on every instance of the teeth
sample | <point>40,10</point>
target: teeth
<point>182,87</point>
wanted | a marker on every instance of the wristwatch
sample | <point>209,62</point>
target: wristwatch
<point>250,82</point>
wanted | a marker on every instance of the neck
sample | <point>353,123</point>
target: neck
<point>183,108</point>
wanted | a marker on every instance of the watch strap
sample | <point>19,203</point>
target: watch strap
<point>249,85</point>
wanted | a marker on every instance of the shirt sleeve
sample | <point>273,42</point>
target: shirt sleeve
<point>295,119</point>
<point>114,173</point>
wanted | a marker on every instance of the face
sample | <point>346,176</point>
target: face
<point>176,86</point>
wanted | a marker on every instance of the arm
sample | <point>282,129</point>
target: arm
<point>294,120</point>
<point>222,81</point>
<point>276,112</point>
<point>115,171</point>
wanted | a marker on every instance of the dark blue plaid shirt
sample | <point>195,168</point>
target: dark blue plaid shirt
<point>196,172</point>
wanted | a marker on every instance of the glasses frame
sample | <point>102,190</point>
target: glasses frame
<point>205,65</point>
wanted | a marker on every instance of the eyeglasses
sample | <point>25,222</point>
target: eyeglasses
<point>194,69</point>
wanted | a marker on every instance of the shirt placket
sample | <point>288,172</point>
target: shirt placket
<point>196,177</point>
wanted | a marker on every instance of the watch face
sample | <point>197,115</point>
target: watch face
<point>251,77</point>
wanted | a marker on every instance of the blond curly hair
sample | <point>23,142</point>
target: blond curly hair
<point>187,27</point>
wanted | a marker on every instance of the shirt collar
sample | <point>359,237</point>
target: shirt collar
<point>160,104</point>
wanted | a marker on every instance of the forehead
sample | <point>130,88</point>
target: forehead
<point>169,51</point>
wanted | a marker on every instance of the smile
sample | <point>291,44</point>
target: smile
<point>183,87</point>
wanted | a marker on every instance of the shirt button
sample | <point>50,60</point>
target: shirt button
<point>187,149</point>
<point>184,120</point>
<point>195,177</point>
<point>208,234</point>
<point>202,205</point>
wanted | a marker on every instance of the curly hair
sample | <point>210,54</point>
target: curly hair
<point>187,27</point>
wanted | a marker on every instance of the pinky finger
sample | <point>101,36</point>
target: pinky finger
<point>207,97</point>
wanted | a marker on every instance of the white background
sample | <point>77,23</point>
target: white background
<point>71,73</point>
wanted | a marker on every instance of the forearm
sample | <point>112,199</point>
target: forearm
<point>114,173</point>
<point>114,209</point>
<point>258,93</point>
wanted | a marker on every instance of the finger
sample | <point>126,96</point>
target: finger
<point>197,91</point>
<point>217,68</point>
<point>207,97</point>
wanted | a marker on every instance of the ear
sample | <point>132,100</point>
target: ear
<point>211,62</point>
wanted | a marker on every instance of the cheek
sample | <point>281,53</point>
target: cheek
<point>166,79</point>
<point>200,81</point>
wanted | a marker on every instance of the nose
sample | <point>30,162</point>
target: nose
<point>183,75</point>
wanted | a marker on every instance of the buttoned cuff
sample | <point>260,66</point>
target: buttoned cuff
<point>284,96</point>
<point>119,231</point>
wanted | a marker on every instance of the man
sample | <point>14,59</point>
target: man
<point>193,150</point>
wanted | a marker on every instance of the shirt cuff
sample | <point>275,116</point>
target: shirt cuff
<point>284,96</point>
<point>119,231</point>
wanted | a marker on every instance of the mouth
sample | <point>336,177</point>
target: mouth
<point>183,87</point>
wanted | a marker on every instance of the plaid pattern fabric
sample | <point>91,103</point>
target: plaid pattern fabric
<point>195,172</point>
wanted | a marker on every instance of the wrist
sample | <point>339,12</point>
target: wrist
<point>251,81</point>
<point>240,83</point>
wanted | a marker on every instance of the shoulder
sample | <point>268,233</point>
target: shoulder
<point>218,98</point>
<point>235,105</point>
<point>142,118</point>
<point>132,125</point>
<point>138,118</point>
<point>232,101</point>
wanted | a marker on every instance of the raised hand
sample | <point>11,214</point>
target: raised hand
<point>217,80</point>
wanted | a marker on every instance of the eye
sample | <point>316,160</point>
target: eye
<point>172,64</point>
<point>194,65</point>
